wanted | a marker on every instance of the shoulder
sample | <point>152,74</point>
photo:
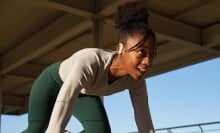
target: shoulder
<point>93,55</point>
<point>135,84</point>
<point>93,52</point>
<point>138,87</point>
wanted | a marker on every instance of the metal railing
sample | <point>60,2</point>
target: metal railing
<point>213,127</point>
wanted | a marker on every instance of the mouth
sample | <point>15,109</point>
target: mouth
<point>142,70</point>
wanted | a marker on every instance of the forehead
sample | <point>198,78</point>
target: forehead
<point>135,39</point>
<point>148,42</point>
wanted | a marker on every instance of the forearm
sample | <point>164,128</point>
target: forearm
<point>60,116</point>
<point>146,129</point>
<point>144,124</point>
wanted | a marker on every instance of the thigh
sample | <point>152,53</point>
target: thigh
<point>40,104</point>
<point>89,110</point>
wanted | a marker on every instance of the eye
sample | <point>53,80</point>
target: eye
<point>142,52</point>
<point>145,53</point>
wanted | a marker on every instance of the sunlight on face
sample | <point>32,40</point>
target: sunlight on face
<point>137,59</point>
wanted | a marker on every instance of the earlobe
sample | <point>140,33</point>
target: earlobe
<point>120,48</point>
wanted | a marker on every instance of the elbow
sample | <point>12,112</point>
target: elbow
<point>152,130</point>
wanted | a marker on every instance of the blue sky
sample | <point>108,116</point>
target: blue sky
<point>185,96</point>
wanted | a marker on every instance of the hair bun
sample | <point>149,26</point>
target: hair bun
<point>131,12</point>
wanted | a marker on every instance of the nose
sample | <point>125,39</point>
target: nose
<point>147,61</point>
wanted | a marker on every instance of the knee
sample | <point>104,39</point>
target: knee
<point>35,127</point>
<point>96,127</point>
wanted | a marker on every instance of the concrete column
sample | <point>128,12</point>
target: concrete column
<point>97,32</point>
<point>97,27</point>
<point>1,101</point>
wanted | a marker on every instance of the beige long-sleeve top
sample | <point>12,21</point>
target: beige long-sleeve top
<point>86,72</point>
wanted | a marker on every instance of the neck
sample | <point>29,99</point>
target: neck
<point>117,69</point>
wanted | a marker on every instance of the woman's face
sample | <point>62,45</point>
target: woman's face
<point>137,61</point>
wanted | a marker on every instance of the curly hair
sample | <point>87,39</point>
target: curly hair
<point>131,12</point>
<point>132,18</point>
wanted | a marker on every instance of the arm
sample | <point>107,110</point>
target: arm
<point>79,77</point>
<point>139,100</point>
<point>62,110</point>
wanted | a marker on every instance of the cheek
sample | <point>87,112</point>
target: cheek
<point>130,62</point>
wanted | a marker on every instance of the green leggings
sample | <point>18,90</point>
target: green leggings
<point>89,110</point>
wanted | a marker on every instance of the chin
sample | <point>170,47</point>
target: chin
<point>137,77</point>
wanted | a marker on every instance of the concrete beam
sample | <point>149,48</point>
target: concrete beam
<point>211,36</point>
<point>70,8</point>
<point>14,100</point>
<point>172,29</point>
<point>109,10</point>
<point>49,38</point>
<point>173,64</point>
<point>15,110</point>
<point>29,71</point>
<point>182,33</point>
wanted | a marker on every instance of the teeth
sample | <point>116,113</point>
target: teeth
<point>142,69</point>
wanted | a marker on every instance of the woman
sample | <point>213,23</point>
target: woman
<point>73,86</point>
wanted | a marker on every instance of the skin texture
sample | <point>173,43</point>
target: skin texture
<point>134,63</point>
<point>133,59</point>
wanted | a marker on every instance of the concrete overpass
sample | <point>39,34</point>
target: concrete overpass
<point>35,33</point>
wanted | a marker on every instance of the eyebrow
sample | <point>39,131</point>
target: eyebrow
<point>138,45</point>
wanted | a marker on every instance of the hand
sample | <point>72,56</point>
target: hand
<point>66,131</point>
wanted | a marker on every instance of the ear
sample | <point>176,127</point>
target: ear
<point>120,48</point>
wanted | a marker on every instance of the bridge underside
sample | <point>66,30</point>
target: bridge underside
<point>35,34</point>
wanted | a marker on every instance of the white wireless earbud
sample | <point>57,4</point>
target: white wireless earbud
<point>120,48</point>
